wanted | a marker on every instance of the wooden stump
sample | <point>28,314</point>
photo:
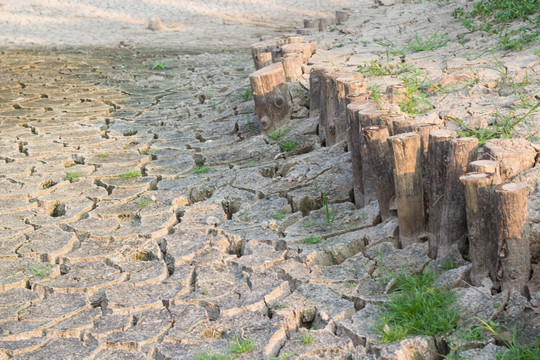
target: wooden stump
<point>305,50</point>
<point>292,66</point>
<point>437,162</point>
<point>481,223</point>
<point>341,16</point>
<point>360,114</point>
<point>334,97</point>
<point>272,99</point>
<point>402,126</point>
<point>380,159</point>
<point>514,264</point>
<point>407,157</point>
<point>488,166</point>
<point>262,53</point>
<point>315,88</point>
<point>453,227</point>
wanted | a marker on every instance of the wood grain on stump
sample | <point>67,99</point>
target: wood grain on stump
<point>514,256</point>
<point>453,226</point>
<point>439,145</point>
<point>481,223</point>
<point>407,157</point>
<point>380,159</point>
<point>271,96</point>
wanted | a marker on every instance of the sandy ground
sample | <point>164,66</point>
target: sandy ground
<point>206,25</point>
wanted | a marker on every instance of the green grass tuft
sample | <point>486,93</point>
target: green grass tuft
<point>417,308</point>
<point>131,174</point>
<point>158,65</point>
<point>277,134</point>
<point>312,239</point>
<point>73,175</point>
<point>241,346</point>
<point>288,145</point>
<point>199,169</point>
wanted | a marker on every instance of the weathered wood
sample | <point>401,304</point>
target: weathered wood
<point>327,103</point>
<point>290,40</point>
<point>407,158</point>
<point>271,96</point>
<point>453,228</point>
<point>333,117</point>
<point>315,84</point>
<point>439,144</point>
<point>260,48</point>
<point>292,65</point>
<point>481,224</point>
<point>514,256</point>
<point>402,126</point>
<point>488,166</point>
<point>358,113</point>
<point>380,159</point>
<point>303,49</point>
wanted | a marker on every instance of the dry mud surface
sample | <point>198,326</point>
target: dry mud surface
<point>143,216</point>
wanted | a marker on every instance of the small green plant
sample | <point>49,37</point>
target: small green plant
<point>497,17</point>
<point>39,271</point>
<point>288,145</point>
<point>73,175</point>
<point>503,127</point>
<point>102,155</point>
<point>304,98</point>
<point>416,307</point>
<point>312,239</point>
<point>244,216</point>
<point>279,215</point>
<point>241,346</point>
<point>149,152</point>
<point>212,101</point>
<point>247,94</point>
<point>434,42</point>
<point>329,213</point>
<point>515,351</point>
<point>200,169</point>
<point>158,65</point>
<point>212,356</point>
<point>277,305</point>
<point>131,174</point>
<point>309,224</point>
<point>350,283</point>
<point>277,134</point>
<point>307,338</point>
<point>449,264</point>
<point>252,164</point>
<point>377,68</point>
<point>144,202</point>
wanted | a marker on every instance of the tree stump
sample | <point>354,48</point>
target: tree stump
<point>380,159</point>
<point>315,84</point>
<point>487,166</point>
<point>514,256</point>
<point>453,227</point>
<point>262,53</point>
<point>402,126</point>
<point>305,50</point>
<point>292,66</point>
<point>480,203</point>
<point>272,99</point>
<point>359,113</point>
<point>407,157</point>
<point>439,145</point>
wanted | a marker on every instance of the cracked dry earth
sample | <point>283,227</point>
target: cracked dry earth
<point>116,242</point>
<point>143,216</point>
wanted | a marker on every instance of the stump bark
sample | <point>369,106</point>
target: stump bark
<point>439,145</point>
<point>488,166</point>
<point>481,224</point>
<point>407,158</point>
<point>361,114</point>
<point>453,227</point>
<point>380,159</point>
<point>263,53</point>
<point>292,66</point>
<point>271,96</point>
<point>513,241</point>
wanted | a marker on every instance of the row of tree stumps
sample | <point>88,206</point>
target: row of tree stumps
<point>435,182</point>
